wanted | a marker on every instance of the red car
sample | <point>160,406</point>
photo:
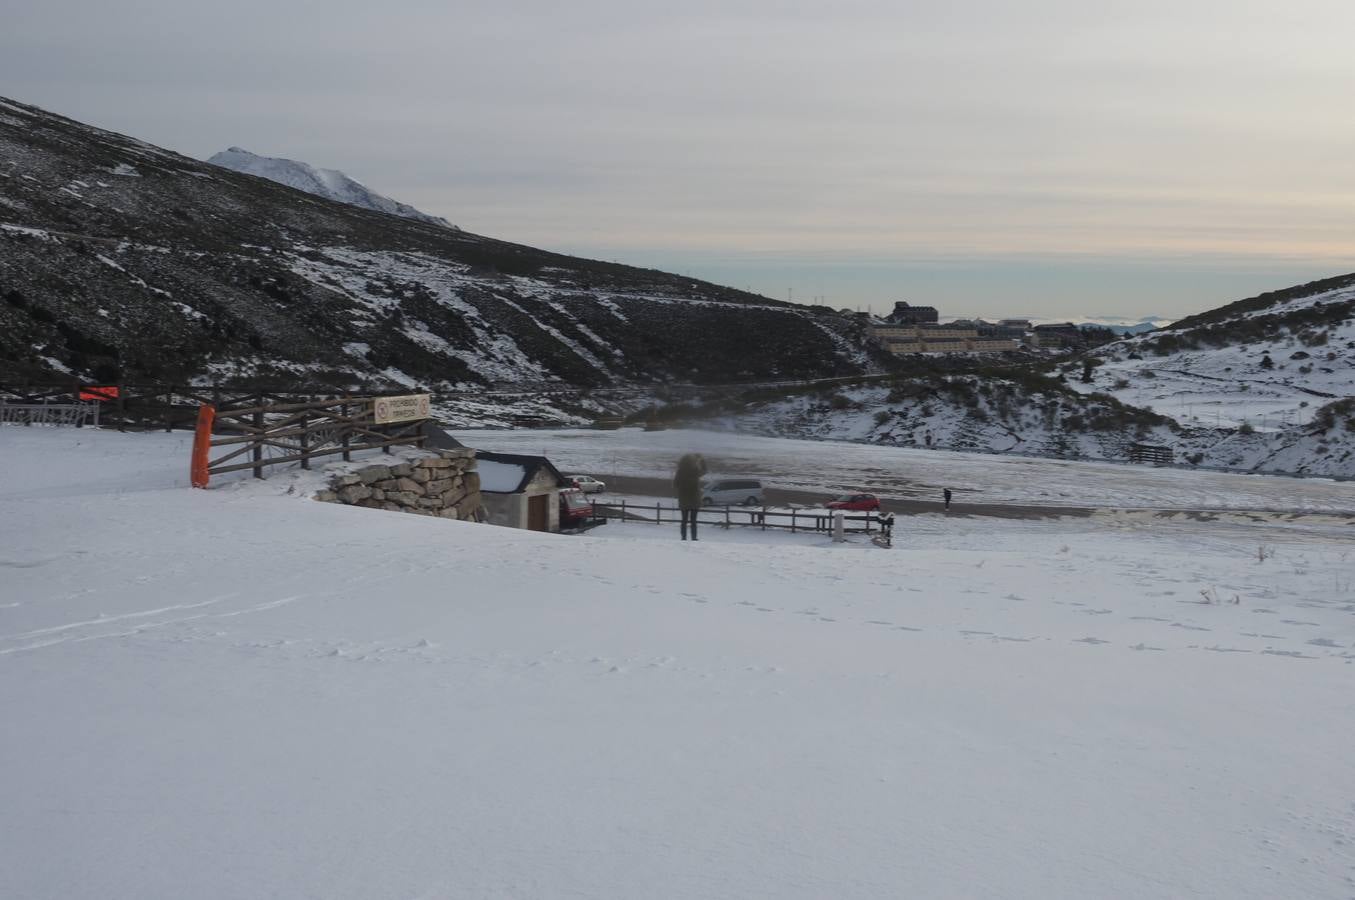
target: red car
<point>575,511</point>
<point>855,502</point>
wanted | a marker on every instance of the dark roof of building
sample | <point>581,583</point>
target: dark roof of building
<point>530,465</point>
<point>438,439</point>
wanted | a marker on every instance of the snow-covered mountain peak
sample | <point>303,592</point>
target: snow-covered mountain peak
<point>329,183</point>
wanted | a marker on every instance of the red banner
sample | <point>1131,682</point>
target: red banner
<point>96,392</point>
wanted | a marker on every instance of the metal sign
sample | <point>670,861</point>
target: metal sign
<point>401,409</point>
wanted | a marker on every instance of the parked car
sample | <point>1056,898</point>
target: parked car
<point>576,512</point>
<point>856,502</point>
<point>732,492</point>
<point>587,483</point>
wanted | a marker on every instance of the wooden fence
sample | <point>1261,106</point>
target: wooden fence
<point>273,434</point>
<point>794,520</point>
<point>145,407</point>
<point>1148,453</point>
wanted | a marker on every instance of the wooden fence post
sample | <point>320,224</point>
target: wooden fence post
<point>792,520</point>
<point>347,430</point>
<point>305,441</point>
<point>258,446</point>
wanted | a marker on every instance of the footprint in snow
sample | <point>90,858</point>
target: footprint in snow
<point>1089,640</point>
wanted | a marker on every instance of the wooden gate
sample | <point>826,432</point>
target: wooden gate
<point>538,513</point>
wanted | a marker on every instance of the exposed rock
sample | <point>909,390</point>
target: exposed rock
<point>441,485</point>
<point>372,474</point>
<point>354,492</point>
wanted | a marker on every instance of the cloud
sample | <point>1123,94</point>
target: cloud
<point>1049,130</point>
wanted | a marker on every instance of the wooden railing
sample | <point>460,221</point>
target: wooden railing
<point>1161,456</point>
<point>816,520</point>
<point>142,406</point>
<point>273,434</point>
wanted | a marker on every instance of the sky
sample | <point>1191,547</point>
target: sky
<point>1049,158</point>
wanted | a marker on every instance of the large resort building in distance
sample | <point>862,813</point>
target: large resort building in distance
<point>915,329</point>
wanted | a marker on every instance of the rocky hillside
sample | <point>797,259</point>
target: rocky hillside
<point>119,259</point>
<point>328,183</point>
<point>984,412</point>
<point>1265,384</point>
<point>1036,416</point>
<point>1271,375</point>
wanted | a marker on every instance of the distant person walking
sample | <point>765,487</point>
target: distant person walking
<point>687,488</point>
<point>945,492</point>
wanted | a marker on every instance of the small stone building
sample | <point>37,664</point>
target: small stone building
<point>520,491</point>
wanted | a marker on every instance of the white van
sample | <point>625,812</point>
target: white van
<point>731,492</point>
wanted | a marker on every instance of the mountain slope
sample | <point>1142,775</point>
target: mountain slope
<point>1265,384</point>
<point>122,260</point>
<point>328,183</point>
<point>1272,375</point>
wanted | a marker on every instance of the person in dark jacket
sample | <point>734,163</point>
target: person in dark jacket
<point>945,492</point>
<point>687,488</point>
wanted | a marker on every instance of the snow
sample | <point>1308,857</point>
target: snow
<point>1228,386</point>
<point>833,467</point>
<point>329,183</point>
<point>242,693</point>
<point>500,477</point>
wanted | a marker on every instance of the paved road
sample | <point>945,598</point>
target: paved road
<point>662,487</point>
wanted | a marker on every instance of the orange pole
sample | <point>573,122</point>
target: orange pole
<point>202,444</point>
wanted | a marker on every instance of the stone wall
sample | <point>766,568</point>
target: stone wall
<point>445,485</point>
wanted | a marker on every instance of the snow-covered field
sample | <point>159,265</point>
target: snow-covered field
<point>242,693</point>
<point>834,467</point>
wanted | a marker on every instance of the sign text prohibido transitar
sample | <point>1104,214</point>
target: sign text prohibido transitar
<point>400,409</point>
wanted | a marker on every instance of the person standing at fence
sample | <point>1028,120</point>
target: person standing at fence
<point>687,488</point>
<point>945,492</point>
